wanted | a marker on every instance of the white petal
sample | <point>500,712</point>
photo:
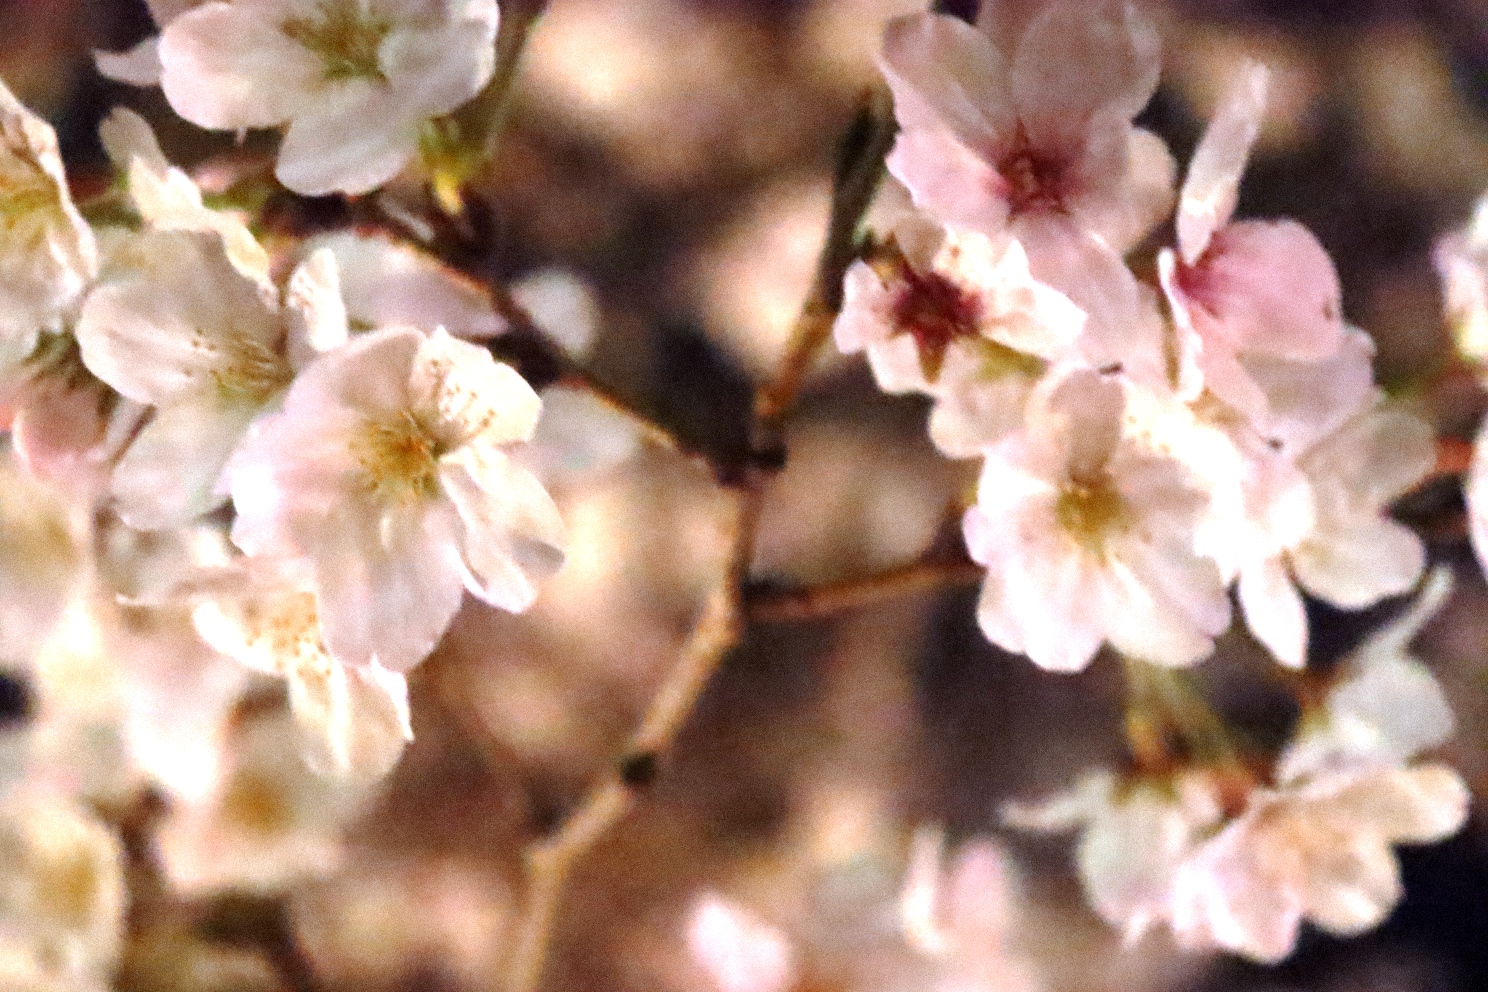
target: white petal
<point>473,398</point>
<point>1274,611</point>
<point>348,141</point>
<point>1210,191</point>
<point>388,581</point>
<point>140,66</point>
<point>355,720</point>
<point>513,535</point>
<point>434,70</point>
<point>1360,565</point>
<point>946,75</point>
<point>231,66</point>
<point>317,314</point>
<point>169,475</point>
<point>387,283</point>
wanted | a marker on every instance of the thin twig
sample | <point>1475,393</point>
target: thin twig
<point>720,625</point>
<point>768,604</point>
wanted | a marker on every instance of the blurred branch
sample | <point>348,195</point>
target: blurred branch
<point>551,861</point>
<point>773,604</point>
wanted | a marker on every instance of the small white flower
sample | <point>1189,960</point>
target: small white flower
<point>48,255</point>
<point>387,475</point>
<point>1088,537</point>
<point>1133,837</point>
<point>185,331</point>
<point>1318,844</point>
<point>269,821</point>
<point>1319,849</point>
<point>354,720</point>
<point>354,80</point>
<point>953,316</point>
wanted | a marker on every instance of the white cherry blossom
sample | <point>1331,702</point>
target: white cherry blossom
<point>183,330</point>
<point>387,476</point>
<point>354,720</point>
<point>1089,537</point>
<point>48,254</point>
<point>1462,262</point>
<point>140,66</point>
<point>1133,836</point>
<point>954,316</point>
<point>354,80</point>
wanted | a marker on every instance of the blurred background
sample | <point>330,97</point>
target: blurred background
<point>675,155</point>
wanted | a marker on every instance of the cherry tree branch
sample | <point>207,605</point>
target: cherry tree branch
<point>551,861</point>
<point>774,604</point>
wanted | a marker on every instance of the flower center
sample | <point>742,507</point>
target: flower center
<point>1035,179</point>
<point>29,204</point>
<point>250,371</point>
<point>256,804</point>
<point>935,312</point>
<point>399,459</point>
<point>998,361</point>
<point>1091,512</point>
<point>345,36</point>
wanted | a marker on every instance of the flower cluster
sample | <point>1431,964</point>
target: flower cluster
<point>1231,864</point>
<point>161,369</point>
<point>1145,444</point>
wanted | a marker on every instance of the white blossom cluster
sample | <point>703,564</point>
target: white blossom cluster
<point>1145,444</point>
<point>227,460</point>
<point>1160,424</point>
<point>1231,864</point>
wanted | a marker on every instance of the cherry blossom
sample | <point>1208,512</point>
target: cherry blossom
<point>354,80</point>
<point>1243,288</point>
<point>1133,836</point>
<point>140,66</point>
<point>183,330</point>
<point>387,475</point>
<point>48,254</point>
<point>957,318</point>
<point>62,894</point>
<point>1317,845</point>
<point>354,720</point>
<point>1030,136</point>
<point>1089,537</point>
<point>740,952</point>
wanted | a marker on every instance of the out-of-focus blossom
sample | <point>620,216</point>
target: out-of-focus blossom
<point>355,81</point>
<point>953,316</point>
<point>1242,288</point>
<point>62,892</point>
<point>353,718</point>
<point>1133,837</point>
<point>184,330</point>
<point>1384,706</point>
<point>563,307</point>
<point>43,558</point>
<point>387,475</point>
<point>739,951</point>
<point>387,283</point>
<point>269,822</point>
<point>1462,261</point>
<point>1318,848</point>
<point>1089,536</point>
<point>961,918</point>
<point>48,255</point>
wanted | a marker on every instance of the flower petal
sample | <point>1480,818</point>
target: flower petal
<point>1211,189</point>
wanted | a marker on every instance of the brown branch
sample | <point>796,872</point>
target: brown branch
<point>768,604</point>
<point>551,862</point>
